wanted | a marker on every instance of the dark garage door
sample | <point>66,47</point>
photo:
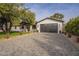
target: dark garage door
<point>49,27</point>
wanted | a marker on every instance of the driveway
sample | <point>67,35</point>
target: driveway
<point>38,44</point>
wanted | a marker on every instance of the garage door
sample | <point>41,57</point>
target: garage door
<point>49,27</point>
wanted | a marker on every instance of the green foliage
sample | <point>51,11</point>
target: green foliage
<point>57,16</point>
<point>13,14</point>
<point>28,16</point>
<point>7,14</point>
<point>73,26</point>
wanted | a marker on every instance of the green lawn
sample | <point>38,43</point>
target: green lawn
<point>11,34</point>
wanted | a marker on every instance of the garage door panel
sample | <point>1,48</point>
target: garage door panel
<point>49,27</point>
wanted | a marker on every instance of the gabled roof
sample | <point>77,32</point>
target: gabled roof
<point>51,19</point>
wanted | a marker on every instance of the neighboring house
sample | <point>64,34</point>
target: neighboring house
<point>24,27</point>
<point>16,28</point>
<point>50,25</point>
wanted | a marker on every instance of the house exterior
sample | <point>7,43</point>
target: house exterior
<point>16,29</point>
<point>50,25</point>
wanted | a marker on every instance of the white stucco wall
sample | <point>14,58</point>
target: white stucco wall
<point>47,21</point>
<point>17,29</point>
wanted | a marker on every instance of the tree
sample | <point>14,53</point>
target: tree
<point>12,14</point>
<point>73,26</point>
<point>7,14</point>
<point>57,16</point>
<point>28,17</point>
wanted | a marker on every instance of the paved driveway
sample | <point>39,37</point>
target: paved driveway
<point>43,44</point>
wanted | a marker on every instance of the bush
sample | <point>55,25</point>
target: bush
<point>69,35</point>
<point>73,26</point>
<point>78,40</point>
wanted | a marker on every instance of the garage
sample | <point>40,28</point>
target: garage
<point>49,27</point>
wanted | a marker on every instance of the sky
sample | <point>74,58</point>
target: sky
<point>43,10</point>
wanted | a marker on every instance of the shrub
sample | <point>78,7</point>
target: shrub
<point>73,26</point>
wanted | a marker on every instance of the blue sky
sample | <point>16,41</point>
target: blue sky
<point>43,10</point>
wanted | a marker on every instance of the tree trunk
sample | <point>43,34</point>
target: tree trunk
<point>3,27</point>
<point>10,25</point>
<point>30,28</point>
<point>6,27</point>
<point>24,28</point>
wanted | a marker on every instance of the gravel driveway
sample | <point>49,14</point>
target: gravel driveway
<point>38,44</point>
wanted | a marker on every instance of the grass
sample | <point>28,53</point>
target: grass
<point>11,34</point>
